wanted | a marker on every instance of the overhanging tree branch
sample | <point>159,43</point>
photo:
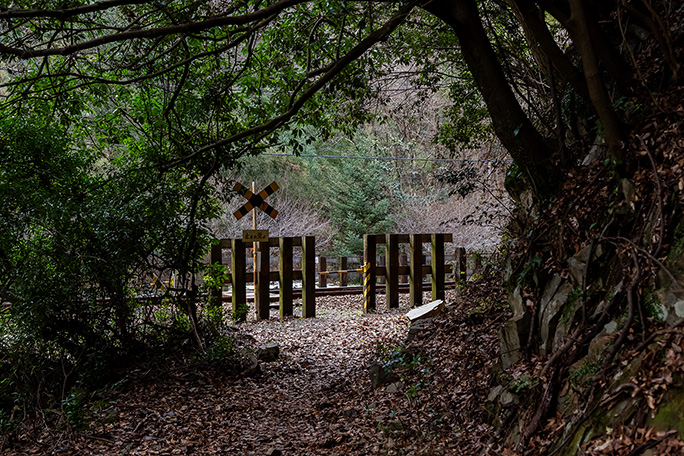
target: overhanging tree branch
<point>186,28</point>
<point>356,52</point>
<point>9,13</point>
<point>245,34</point>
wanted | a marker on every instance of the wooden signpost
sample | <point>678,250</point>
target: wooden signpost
<point>260,242</point>
<point>254,235</point>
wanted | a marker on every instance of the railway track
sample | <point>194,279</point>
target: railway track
<point>338,291</point>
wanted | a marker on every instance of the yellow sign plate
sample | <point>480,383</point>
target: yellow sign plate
<point>254,235</point>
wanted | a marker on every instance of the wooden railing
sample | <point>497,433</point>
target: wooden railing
<point>388,266</point>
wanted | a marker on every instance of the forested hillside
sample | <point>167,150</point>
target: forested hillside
<point>341,199</point>
<point>125,123</point>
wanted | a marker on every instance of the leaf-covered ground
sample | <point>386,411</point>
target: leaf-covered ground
<point>317,399</point>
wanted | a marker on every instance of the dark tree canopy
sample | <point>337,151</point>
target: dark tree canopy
<point>209,81</point>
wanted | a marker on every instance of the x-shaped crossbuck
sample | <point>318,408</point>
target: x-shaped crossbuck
<point>255,200</point>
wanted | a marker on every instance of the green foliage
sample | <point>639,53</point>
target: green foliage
<point>582,376</point>
<point>74,406</point>
<point>240,312</point>
<point>214,277</point>
<point>24,372</point>
<point>522,383</point>
<point>410,365</point>
<point>360,198</point>
<point>78,229</point>
<point>398,358</point>
<point>463,178</point>
<point>467,123</point>
<point>515,182</point>
<point>485,307</point>
<point>529,269</point>
<point>653,306</point>
<point>220,352</point>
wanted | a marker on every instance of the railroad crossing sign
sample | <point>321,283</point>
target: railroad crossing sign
<point>255,200</point>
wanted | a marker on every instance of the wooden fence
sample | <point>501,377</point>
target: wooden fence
<point>286,274</point>
<point>391,269</point>
<point>386,266</point>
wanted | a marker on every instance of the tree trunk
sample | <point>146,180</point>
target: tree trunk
<point>610,58</point>
<point>529,16</point>
<point>512,126</point>
<point>578,26</point>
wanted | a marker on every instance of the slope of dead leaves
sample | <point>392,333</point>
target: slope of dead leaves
<point>316,399</point>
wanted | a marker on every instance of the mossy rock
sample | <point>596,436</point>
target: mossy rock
<point>670,414</point>
<point>587,430</point>
<point>675,259</point>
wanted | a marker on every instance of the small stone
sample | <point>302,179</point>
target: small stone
<point>395,425</point>
<point>426,311</point>
<point>351,413</point>
<point>395,387</point>
<point>679,308</point>
<point>269,352</point>
<point>494,393</point>
<point>274,452</point>
<point>507,399</point>
<point>250,363</point>
<point>610,327</point>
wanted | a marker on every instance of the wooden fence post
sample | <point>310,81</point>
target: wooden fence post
<point>369,264</point>
<point>392,270</point>
<point>342,265</point>
<point>477,263</point>
<point>416,269</point>
<point>238,265</point>
<point>403,261</point>
<point>262,288</point>
<point>322,267</point>
<point>217,258</point>
<point>308,276</point>
<point>285,273</point>
<point>460,266</point>
<point>437,266</point>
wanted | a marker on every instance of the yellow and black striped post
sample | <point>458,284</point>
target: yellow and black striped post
<point>369,273</point>
<point>367,297</point>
